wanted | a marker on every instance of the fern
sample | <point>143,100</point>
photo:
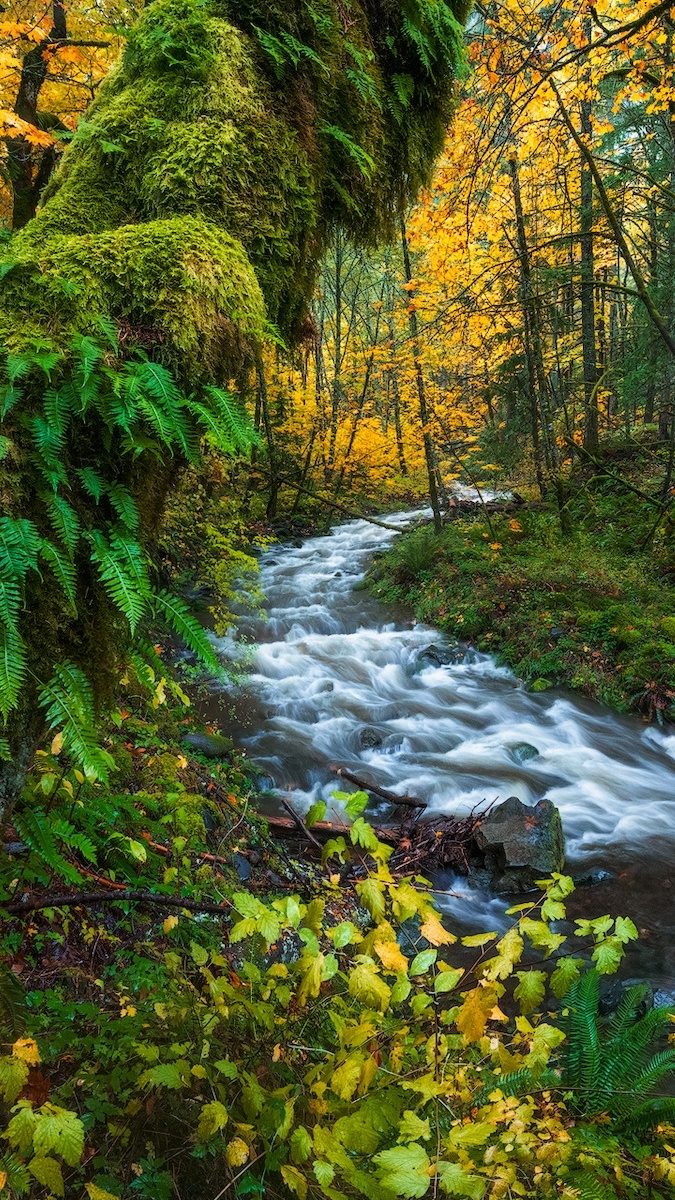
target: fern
<point>64,570</point>
<point>68,703</point>
<point>64,521</point>
<point>38,831</point>
<point>10,602</point>
<point>9,395</point>
<point>183,623</point>
<point>235,430</point>
<point>363,160</point>
<point>124,505</point>
<point>19,547</point>
<point>5,750</point>
<point>73,839</point>
<point>286,49</point>
<point>91,482</point>
<point>122,571</point>
<point>12,668</point>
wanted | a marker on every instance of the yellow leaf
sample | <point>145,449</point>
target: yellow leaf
<point>3,1179</point>
<point>434,932</point>
<point>57,744</point>
<point>97,1193</point>
<point>391,956</point>
<point>236,1153</point>
<point>472,1017</point>
<point>169,924</point>
<point>27,1050</point>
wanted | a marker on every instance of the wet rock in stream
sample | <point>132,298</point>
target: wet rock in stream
<point>519,845</point>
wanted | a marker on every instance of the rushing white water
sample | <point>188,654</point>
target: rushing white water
<point>333,681</point>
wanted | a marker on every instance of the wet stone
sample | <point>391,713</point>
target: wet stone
<point>370,739</point>
<point>242,866</point>
<point>523,752</point>
<point>521,844</point>
<point>440,656</point>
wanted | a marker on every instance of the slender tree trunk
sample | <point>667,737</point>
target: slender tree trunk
<point>429,452</point>
<point>587,289</point>
<point>529,320</point>
<point>271,510</point>
<point>337,364</point>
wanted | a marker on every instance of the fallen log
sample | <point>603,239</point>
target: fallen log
<point>390,797</point>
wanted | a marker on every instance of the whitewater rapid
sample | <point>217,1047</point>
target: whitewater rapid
<point>338,679</point>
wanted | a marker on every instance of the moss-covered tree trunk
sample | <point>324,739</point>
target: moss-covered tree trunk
<point>186,221</point>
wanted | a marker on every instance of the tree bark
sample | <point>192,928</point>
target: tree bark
<point>429,452</point>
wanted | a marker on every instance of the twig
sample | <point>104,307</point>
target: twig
<point>300,823</point>
<point>94,898</point>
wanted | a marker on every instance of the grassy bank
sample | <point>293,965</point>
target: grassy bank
<point>587,609</point>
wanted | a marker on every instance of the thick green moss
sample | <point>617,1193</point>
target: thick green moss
<point>192,209</point>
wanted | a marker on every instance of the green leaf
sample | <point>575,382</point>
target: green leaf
<point>69,704</point>
<point>458,1182</point>
<point>368,987</point>
<point>212,1118</point>
<point>300,1145</point>
<point>447,981</point>
<point>371,893</point>
<point>344,934</point>
<point>422,961</point>
<point>404,1170</point>
<point>316,813</point>
<point>168,1075</point>
<point>47,1172</point>
<point>531,990</point>
<point>354,803</point>
<point>59,1130</point>
<point>540,935</point>
<point>13,1075</point>
<point>181,620</point>
<point>63,569</point>
<point>625,929</point>
<point>607,955</point>
<point>362,834</point>
<point>12,668</point>
<point>411,1127</point>
<point>566,973</point>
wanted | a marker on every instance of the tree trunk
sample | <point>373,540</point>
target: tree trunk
<point>429,452</point>
<point>587,273</point>
<point>529,321</point>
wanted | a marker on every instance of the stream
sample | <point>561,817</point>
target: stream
<point>335,677</point>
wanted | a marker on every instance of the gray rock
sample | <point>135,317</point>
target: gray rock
<point>613,991</point>
<point>440,656</point>
<point>370,739</point>
<point>523,752</point>
<point>557,633</point>
<point>521,844</point>
<point>242,866</point>
<point>211,745</point>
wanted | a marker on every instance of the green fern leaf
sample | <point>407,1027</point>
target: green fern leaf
<point>124,505</point>
<point>64,570</point>
<point>37,830</point>
<point>122,571</point>
<point>9,395</point>
<point>236,432</point>
<point>64,521</point>
<point>91,482</point>
<point>181,620</point>
<point>19,547</point>
<point>87,355</point>
<point>68,703</point>
<point>110,330</point>
<point>10,602</point>
<point>5,750</point>
<point>12,669</point>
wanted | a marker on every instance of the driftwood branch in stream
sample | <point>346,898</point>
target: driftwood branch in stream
<point>418,845</point>
<point>390,797</point>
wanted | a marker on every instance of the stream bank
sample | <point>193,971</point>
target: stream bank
<point>337,678</point>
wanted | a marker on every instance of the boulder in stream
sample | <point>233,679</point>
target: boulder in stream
<point>369,738</point>
<point>440,656</point>
<point>520,844</point>
<point>211,745</point>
